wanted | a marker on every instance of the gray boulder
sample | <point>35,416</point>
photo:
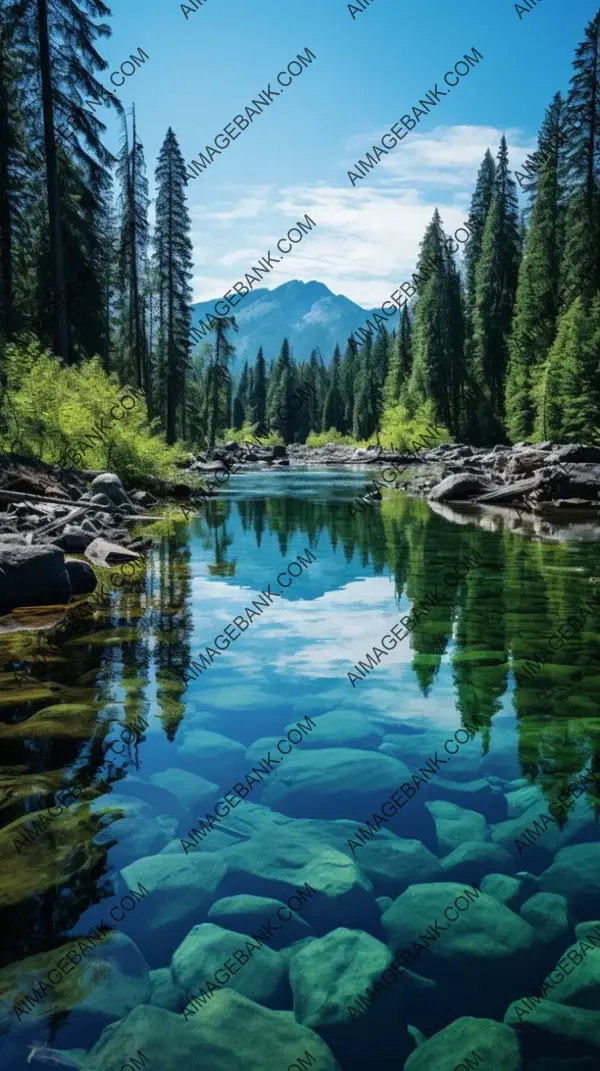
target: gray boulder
<point>109,484</point>
<point>103,553</point>
<point>74,539</point>
<point>32,576</point>
<point>82,577</point>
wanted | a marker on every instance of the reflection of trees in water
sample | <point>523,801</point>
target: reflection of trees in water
<point>490,623</point>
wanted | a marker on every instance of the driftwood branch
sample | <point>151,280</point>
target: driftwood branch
<point>20,496</point>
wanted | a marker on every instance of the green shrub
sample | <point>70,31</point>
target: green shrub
<point>247,432</point>
<point>321,438</point>
<point>50,410</point>
<point>401,431</point>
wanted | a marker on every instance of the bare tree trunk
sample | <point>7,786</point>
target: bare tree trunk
<point>61,322</point>
<point>6,284</point>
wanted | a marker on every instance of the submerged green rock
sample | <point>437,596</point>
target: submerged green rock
<point>496,1047</point>
<point>262,978</point>
<point>229,1032</point>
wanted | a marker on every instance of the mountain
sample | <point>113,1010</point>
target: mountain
<point>308,314</point>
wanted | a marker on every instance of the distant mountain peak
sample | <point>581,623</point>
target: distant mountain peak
<point>308,314</point>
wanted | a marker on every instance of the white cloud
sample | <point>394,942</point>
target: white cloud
<point>367,238</point>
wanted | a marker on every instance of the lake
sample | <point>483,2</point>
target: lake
<point>212,868</point>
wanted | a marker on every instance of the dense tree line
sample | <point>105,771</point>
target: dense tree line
<point>506,347</point>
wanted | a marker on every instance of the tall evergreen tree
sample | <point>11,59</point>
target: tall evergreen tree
<point>366,399</point>
<point>218,380</point>
<point>58,41</point>
<point>537,299</point>
<point>349,374</point>
<point>173,260</point>
<point>131,169</point>
<point>333,407</point>
<point>582,249</point>
<point>496,284</point>
<point>438,335</point>
<point>240,399</point>
<point>568,392</point>
<point>316,376</point>
<point>480,206</point>
<point>259,390</point>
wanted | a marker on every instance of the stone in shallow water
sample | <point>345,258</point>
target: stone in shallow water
<point>479,795</point>
<point>548,913</point>
<point>212,754</point>
<point>341,728</point>
<point>575,873</point>
<point>556,1029</point>
<point>229,1032</point>
<point>496,1045</point>
<point>503,888</point>
<point>454,825</point>
<point>246,913</point>
<point>182,888</point>
<point>478,938</point>
<point>279,863</point>
<point>343,783</point>
<point>476,858</point>
<point>194,792</point>
<point>394,863</point>
<point>262,977</point>
<point>134,826</point>
<point>164,992</point>
<point>328,976</point>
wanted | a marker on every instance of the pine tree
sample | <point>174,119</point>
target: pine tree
<point>438,333</point>
<point>316,376</point>
<point>259,390</point>
<point>349,373</point>
<point>480,206</point>
<point>218,381</point>
<point>496,283</point>
<point>173,260</point>
<point>281,385</point>
<point>333,407</point>
<point>366,401</point>
<point>536,305</point>
<point>134,363</point>
<point>568,392</point>
<point>13,204</point>
<point>240,399</point>
<point>58,41</point>
<point>582,249</point>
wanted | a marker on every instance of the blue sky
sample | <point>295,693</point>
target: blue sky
<point>294,158</point>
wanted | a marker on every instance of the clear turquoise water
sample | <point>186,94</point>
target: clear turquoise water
<point>536,737</point>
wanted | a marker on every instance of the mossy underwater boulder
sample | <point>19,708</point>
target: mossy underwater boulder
<point>329,974</point>
<point>480,939</point>
<point>557,1030</point>
<point>244,913</point>
<point>279,863</point>
<point>496,1045</point>
<point>575,874</point>
<point>230,1031</point>
<point>263,978</point>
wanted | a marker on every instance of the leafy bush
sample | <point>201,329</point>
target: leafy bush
<point>401,431</point>
<point>247,432</point>
<point>321,438</point>
<point>50,410</point>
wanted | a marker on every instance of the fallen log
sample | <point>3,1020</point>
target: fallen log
<point>20,496</point>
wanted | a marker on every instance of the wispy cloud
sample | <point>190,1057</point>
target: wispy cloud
<point>367,237</point>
